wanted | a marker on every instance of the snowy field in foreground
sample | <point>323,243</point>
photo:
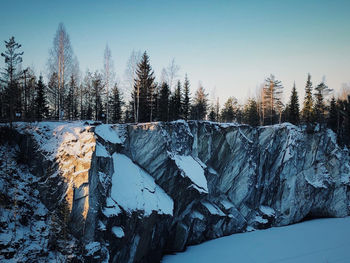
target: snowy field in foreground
<point>320,240</point>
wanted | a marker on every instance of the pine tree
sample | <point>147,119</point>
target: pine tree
<point>228,113</point>
<point>319,108</point>
<point>163,114</point>
<point>200,104</point>
<point>10,78</point>
<point>115,105</point>
<point>71,99</point>
<point>41,108</point>
<point>272,98</point>
<point>176,103</point>
<point>307,112</point>
<point>144,91</point>
<point>293,107</point>
<point>333,115</point>
<point>212,114</point>
<point>97,87</point>
<point>252,114</point>
<point>186,100</point>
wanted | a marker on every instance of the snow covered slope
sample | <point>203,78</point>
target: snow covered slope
<point>315,241</point>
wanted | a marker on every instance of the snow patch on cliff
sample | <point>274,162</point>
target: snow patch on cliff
<point>135,190</point>
<point>193,170</point>
<point>107,133</point>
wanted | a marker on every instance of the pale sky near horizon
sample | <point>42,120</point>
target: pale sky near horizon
<point>230,46</point>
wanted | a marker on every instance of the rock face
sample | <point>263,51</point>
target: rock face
<point>131,193</point>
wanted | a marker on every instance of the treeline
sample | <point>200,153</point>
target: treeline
<point>98,96</point>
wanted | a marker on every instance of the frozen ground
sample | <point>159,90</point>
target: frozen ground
<point>318,241</point>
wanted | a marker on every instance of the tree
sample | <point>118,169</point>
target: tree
<point>10,77</point>
<point>108,75</point>
<point>200,104</point>
<point>61,62</point>
<point>171,73</point>
<point>143,94</point>
<point>97,87</point>
<point>333,116</point>
<point>319,107</point>
<point>272,98</point>
<point>307,112</point>
<point>130,76</point>
<point>71,99</point>
<point>186,99</point>
<point>228,112</point>
<point>52,94</point>
<point>115,104</point>
<point>251,113</point>
<point>212,114</point>
<point>41,108</point>
<point>164,95</point>
<point>176,103</point>
<point>293,107</point>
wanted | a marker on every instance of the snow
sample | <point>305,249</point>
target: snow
<point>196,214</point>
<point>107,133</point>
<point>214,210</point>
<point>266,210</point>
<point>317,177</point>
<point>135,190</point>
<point>111,209</point>
<point>321,240</point>
<point>92,248</point>
<point>118,231</point>
<point>193,170</point>
<point>261,220</point>
<point>227,205</point>
<point>101,151</point>
<point>244,136</point>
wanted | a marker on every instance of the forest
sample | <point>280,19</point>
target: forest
<point>98,96</point>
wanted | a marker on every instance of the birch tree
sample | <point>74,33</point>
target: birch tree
<point>108,76</point>
<point>60,62</point>
<point>130,76</point>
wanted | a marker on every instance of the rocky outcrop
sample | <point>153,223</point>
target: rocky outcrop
<point>134,192</point>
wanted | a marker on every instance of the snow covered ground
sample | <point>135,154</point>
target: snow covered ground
<point>319,241</point>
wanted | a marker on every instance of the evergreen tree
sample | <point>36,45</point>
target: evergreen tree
<point>272,98</point>
<point>163,114</point>
<point>293,107</point>
<point>186,100</point>
<point>319,108</point>
<point>144,91</point>
<point>212,115</point>
<point>52,95</point>
<point>175,108</point>
<point>71,99</point>
<point>115,105</point>
<point>200,104</point>
<point>40,100</point>
<point>10,78</point>
<point>307,112</point>
<point>228,113</point>
<point>252,114</point>
<point>97,92</point>
<point>333,115</point>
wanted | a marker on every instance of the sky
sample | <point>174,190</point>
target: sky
<point>229,47</point>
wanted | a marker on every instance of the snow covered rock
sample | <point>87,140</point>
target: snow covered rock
<point>130,193</point>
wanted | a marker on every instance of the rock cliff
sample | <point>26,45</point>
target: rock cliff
<point>130,193</point>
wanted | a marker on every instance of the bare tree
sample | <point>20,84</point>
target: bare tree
<point>130,75</point>
<point>172,73</point>
<point>61,62</point>
<point>108,75</point>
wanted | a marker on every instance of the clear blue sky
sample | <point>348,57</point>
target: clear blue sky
<point>230,45</point>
